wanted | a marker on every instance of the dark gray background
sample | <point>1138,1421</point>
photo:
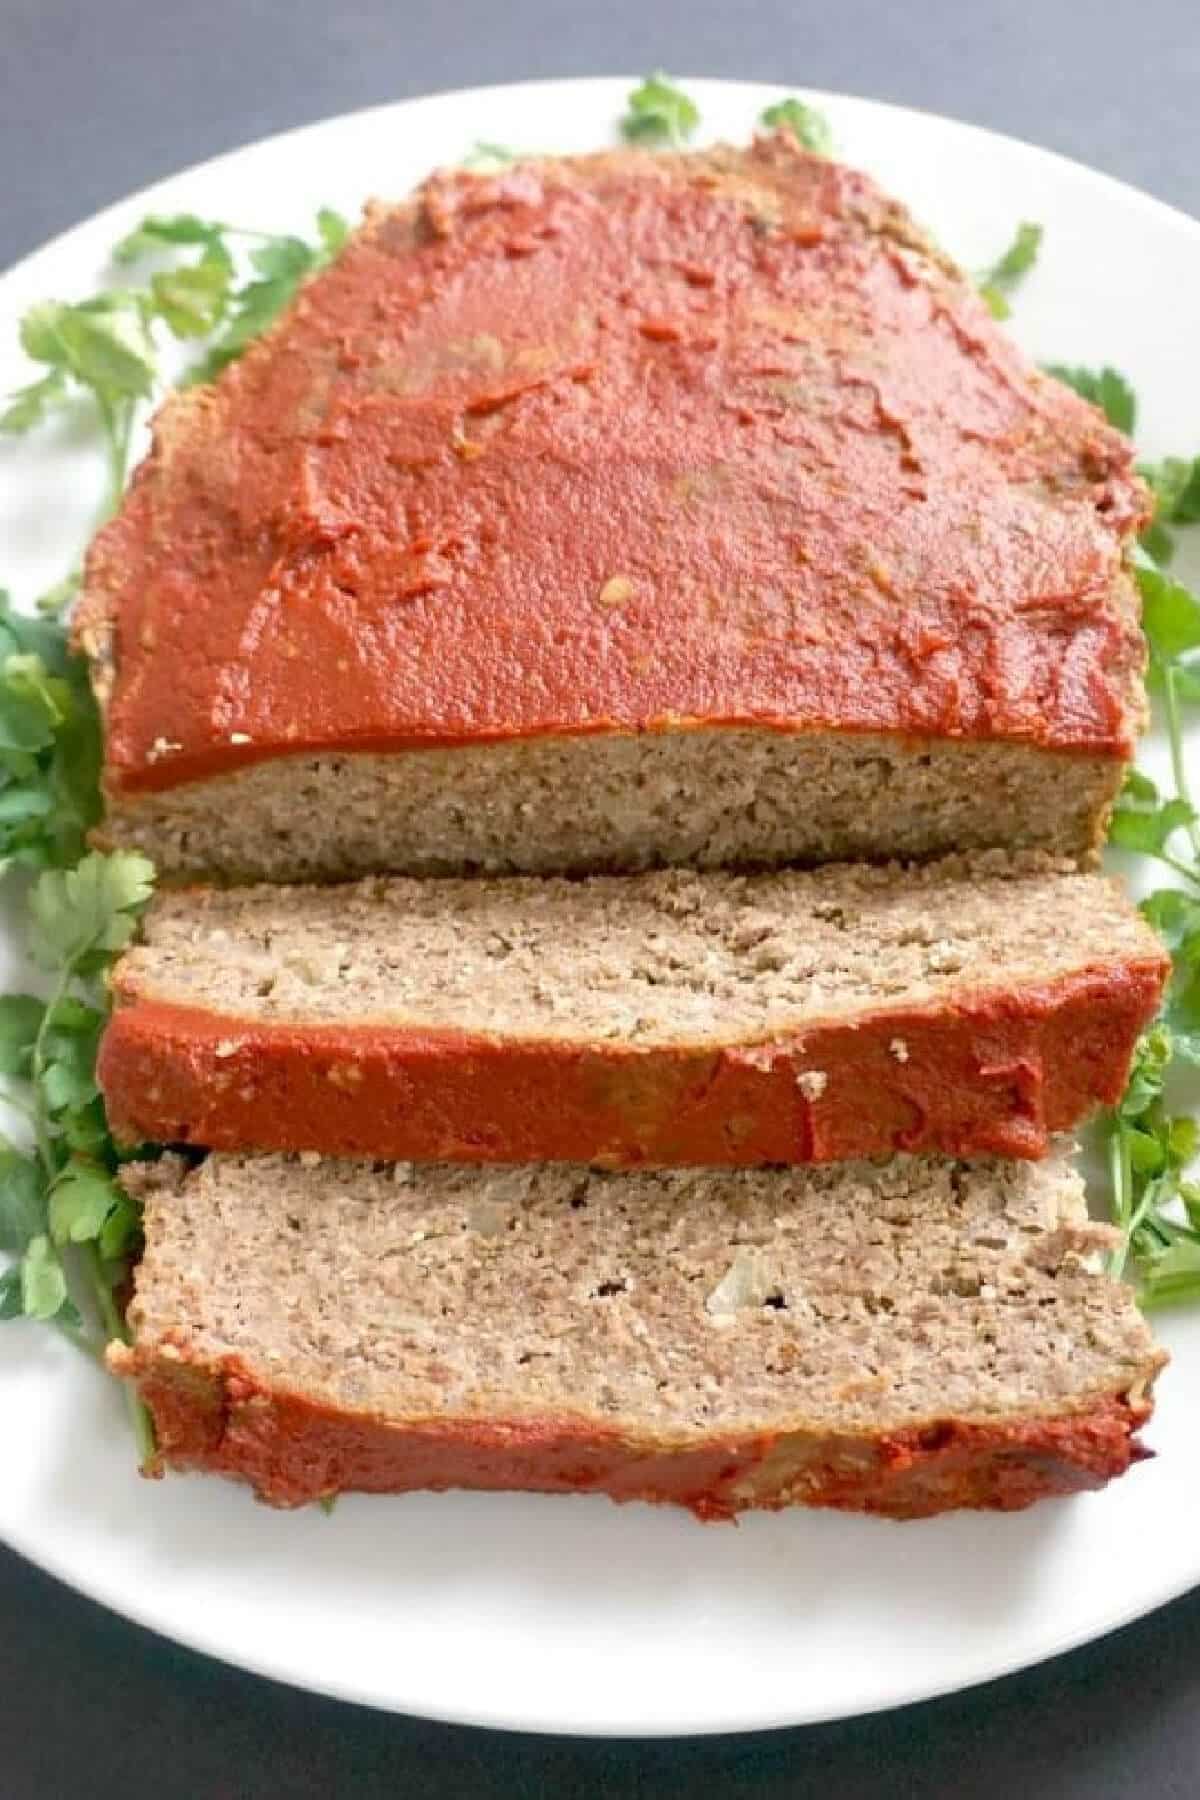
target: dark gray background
<point>97,99</point>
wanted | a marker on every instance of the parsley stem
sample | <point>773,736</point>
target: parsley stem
<point>41,1129</point>
<point>1121,1175</point>
<point>248,231</point>
<point>106,1306</point>
<point>111,1322</point>
<point>79,1340</point>
<point>1187,870</point>
<point>118,429</point>
<point>1175,739</point>
<point>1149,1198</point>
<point>115,1328</point>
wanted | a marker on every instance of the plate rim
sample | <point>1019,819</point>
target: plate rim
<point>194,1637</point>
<point>763,89</point>
<point>479,1718</point>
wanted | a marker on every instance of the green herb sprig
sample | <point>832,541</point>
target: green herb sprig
<point>1105,388</point>
<point>484,158</point>
<point>1154,1200</point>
<point>1175,484</point>
<point>68,1227</point>
<point>63,1217</point>
<point>49,743</point>
<point>659,113</point>
<point>806,123</point>
<point>109,347</point>
<point>998,283</point>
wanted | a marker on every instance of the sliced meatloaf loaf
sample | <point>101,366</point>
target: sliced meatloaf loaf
<point>901,1338</point>
<point>970,1005</point>
<point>613,512</point>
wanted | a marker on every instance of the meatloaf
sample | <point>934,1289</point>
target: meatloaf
<point>612,512</point>
<point>903,1337</point>
<point>972,1005</point>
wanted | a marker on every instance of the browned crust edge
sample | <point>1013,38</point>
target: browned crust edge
<point>987,1072</point>
<point>292,1448</point>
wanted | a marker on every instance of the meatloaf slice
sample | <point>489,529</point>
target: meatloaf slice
<point>972,1005</point>
<point>903,1337</point>
<point>613,512</point>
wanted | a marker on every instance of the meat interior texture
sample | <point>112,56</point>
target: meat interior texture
<point>674,1304</point>
<point>670,958</point>
<point>708,799</point>
<point>571,473</point>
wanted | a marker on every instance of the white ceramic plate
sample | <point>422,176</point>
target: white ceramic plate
<point>575,1615</point>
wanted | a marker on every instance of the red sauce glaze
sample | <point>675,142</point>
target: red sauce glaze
<point>293,1450</point>
<point>632,443</point>
<point>995,1075</point>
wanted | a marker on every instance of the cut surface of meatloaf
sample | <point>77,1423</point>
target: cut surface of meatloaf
<point>904,1337</point>
<point>612,512</point>
<point>971,1005</point>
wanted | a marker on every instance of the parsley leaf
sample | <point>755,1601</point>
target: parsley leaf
<point>69,1069</point>
<point>1175,484</point>
<point>483,157</point>
<point>43,1280</point>
<point>20,1017</point>
<point>64,1216</point>
<point>82,1201</point>
<point>280,264</point>
<point>62,1212</point>
<point>11,1304</point>
<point>1176,918</point>
<point>51,605</point>
<point>106,346</point>
<point>807,125</point>
<point>99,343</point>
<point>82,915</point>
<point>1170,614</point>
<point>101,346</point>
<point>30,404</point>
<point>332,230</point>
<point>160,231</point>
<point>192,299</point>
<point>21,1213</point>
<point>659,112</point>
<point>1143,820</point>
<point>999,281</point>
<point>1153,1201</point>
<point>49,744</point>
<point>1105,388</point>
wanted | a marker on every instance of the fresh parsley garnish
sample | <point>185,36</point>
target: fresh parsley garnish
<point>659,113</point>
<point>109,348</point>
<point>1175,484</point>
<point>997,283</point>
<point>49,741</point>
<point>64,1219</point>
<point>483,157</point>
<point>102,347</point>
<point>1105,388</point>
<point>68,1227</point>
<point>1150,1146</point>
<point>807,125</point>
<point>279,265</point>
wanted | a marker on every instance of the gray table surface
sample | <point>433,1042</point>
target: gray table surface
<point>96,100</point>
